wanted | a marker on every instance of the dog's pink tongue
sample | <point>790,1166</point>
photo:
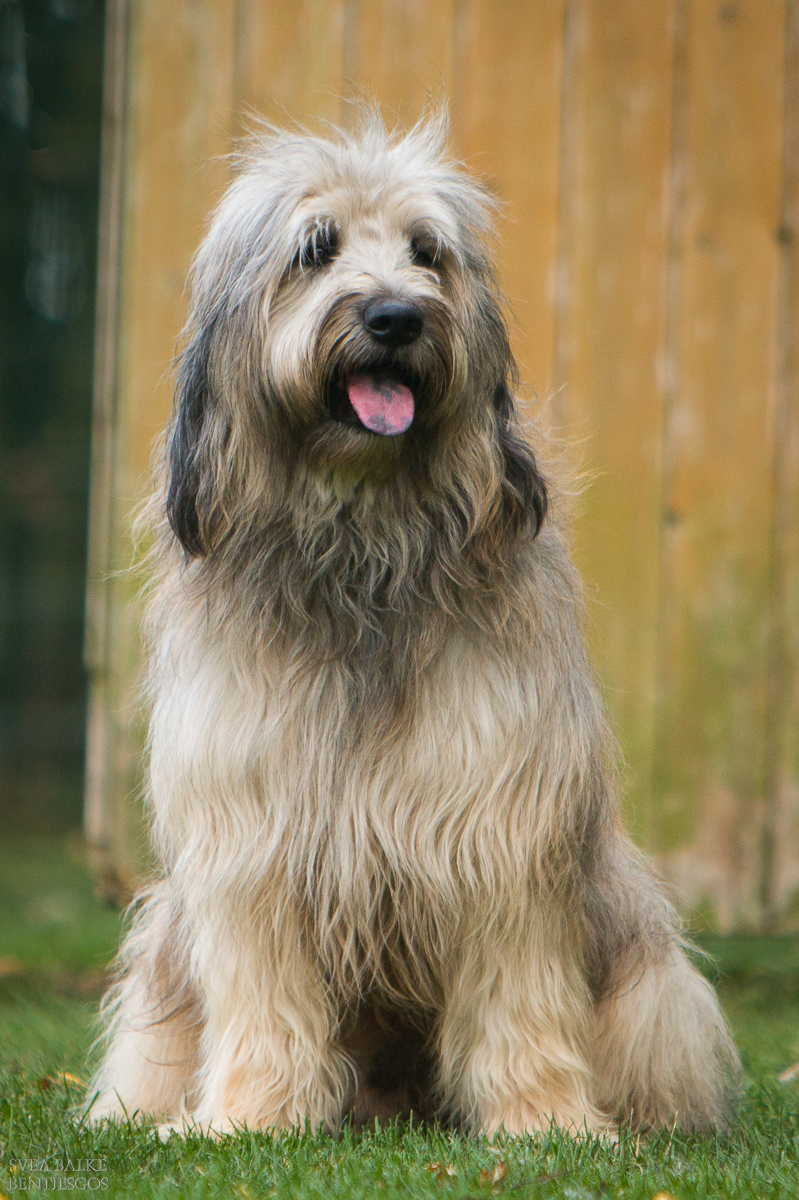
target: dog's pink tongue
<point>383,405</point>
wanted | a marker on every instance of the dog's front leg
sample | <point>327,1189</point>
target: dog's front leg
<point>268,1056</point>
<point>514,1033</point>
<point>152,1019</point>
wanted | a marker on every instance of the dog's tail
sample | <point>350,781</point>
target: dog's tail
<point>663,1054</point>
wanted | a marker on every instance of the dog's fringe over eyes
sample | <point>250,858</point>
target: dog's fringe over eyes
<point>381,781</point>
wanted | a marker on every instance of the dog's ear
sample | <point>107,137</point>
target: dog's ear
<point>193,400</point>
<point>524,489</point>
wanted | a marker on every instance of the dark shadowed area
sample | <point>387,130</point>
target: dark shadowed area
<point>50,92</point>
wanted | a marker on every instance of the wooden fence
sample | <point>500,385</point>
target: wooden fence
<point>648,155</point>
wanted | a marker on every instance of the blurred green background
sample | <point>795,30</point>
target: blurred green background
<point>50,104</point>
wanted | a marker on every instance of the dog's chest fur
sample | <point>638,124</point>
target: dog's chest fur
<point>377,821</point>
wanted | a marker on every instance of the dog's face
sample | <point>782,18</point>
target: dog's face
<point>345,325</point>
<point>366,343</point>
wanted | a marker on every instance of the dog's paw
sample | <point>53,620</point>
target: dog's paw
<point>172,1129</point>
<point>523,1119</point>
<point>188,1126</point>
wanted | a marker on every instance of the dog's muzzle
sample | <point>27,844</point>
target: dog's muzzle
<point>383,403</point>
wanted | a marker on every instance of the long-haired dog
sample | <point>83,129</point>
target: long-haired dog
<point>392,872</point>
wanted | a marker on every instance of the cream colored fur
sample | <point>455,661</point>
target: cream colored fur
<point>380,771</point>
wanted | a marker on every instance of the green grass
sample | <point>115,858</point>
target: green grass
<point>50,919</point>
<point>54,937</point>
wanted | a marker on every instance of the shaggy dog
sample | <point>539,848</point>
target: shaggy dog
<point>392,877</point>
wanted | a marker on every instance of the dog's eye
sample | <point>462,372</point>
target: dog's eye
<point>424,252</point>
<point>319,248</point>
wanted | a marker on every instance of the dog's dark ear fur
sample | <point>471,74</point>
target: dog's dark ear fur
<point>524,489</point>
<point>193,398</point>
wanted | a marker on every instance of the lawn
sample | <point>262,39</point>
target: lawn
<point>54,942</point>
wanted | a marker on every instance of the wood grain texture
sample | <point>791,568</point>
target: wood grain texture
<point>647,156</point>
<point>181,125</point>
<point>611,318</point>
<point>178,108</point>
<point>506,125</point>
<point>98,812</point>
<point>710,774</point>
<point>780,867</point>
<point>403,54</point>
<point>290,60</point>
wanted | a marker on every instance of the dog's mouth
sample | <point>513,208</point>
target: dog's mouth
<point>382,401</point>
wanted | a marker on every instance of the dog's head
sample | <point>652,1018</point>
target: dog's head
<point>345,334</point>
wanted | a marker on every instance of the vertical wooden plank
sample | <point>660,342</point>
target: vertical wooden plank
<point>506,103</point>
<point>403,54</point>
<point>611,314</point>
<point>290,59</point>
<point>178,117</point>
<point>98,818</point>
<point>107,324</point>
<point>780,884</point>
<point>183,103</point>
<point>710,770</point>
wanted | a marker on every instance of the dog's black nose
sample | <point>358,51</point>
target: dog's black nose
<point>393,322</point>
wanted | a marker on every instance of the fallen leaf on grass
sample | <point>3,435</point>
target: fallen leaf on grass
<point>496,1176</point>
<point>435,1168</point>
<point>47,1081</point>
